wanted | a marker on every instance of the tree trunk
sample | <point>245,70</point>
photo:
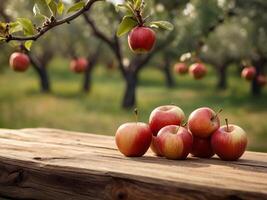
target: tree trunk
<point>88,78</point>
<point>168,74</point>
<point>222,81</point>
<point>129,99</point>
<point>42,73</point>
<point>44,80</point>
<point>255,87</point>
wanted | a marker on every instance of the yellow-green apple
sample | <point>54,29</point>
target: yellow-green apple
<point>229,142</point>
<point>180,68</point>
<point>141,39</point>
<point>133,139</point>
<point>202,147</point>
<point>261,80</point>
<point>78,65</point>
<point>198,70</point>
<point>175,142</point>
<point>248,73</point>
<point>202,122</point>
<point>19,61</point>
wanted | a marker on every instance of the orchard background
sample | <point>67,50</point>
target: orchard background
<point>225,35</point>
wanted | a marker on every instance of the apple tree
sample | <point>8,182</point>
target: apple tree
<point>129,63</point>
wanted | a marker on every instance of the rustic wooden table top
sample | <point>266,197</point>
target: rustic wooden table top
<point>57,164</point>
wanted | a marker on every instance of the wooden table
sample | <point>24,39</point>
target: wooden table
<point>61,165</point>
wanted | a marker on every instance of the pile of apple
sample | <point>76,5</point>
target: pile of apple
<point>165,134</point>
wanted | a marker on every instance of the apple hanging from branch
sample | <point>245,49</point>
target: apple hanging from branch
<point>248,73</point>
<point>19,61</point>
<point>180,68</point>
<point>79,65</point>
<point>142,37</point>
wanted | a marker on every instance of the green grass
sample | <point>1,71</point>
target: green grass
<point>21,104</point>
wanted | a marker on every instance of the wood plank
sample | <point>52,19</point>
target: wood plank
<point>53,164</point>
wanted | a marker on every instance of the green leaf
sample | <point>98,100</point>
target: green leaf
<point>76,6</point>
<point>2,39</point>
<point>137,4</point>
<point>27,25</point>
<point>60,7</point>
<point>53,8</point>
<point>28,44</point>
<point>48,1</point>
<point>161,24</point>
<point>41,9</point>
<point>126,8</point>
<point>126,25</point>
<point>14,43</point>
<point>3,29</point>
<point>14,27</point>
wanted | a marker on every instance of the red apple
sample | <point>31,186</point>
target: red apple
<point>165,115</point>
<point>141,39</point>
<point>248,73</point>
<point>180,68</point>
<point>155,146</point>
<point>133,139</point>
<point>198,70</point>
<point>175,142</point>
<point>261,80</point>
<point>229,142</point>
<point>78,65</point>
<point>19,61</point>
<point>202,122</point>
<point>202,147</point>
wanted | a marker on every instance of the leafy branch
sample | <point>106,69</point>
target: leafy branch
<point>136,14</point>
<point>32,33</point>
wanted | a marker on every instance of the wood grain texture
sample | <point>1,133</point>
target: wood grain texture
<point>54,164</point>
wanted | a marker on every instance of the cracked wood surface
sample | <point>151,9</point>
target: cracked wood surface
<point>53,164</point>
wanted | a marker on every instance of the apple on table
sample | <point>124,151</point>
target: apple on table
<point>203,121</point>
<point>229,142</point>
<point>175,142</point>
<point>162,116</point>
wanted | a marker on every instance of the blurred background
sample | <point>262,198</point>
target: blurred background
<point>226,35</point>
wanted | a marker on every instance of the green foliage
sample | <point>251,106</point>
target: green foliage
<point>136,13</point>
<point>126,25</point>
<point>26,25</point>
<point>161,24</point>
<point>46,11</point>
<point>76,6</point>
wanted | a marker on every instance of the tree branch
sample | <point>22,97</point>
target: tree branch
<point>54,24</point>
<point>97,32</point>
<point>114,46</point>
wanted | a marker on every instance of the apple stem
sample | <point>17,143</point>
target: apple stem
<point>227,126</point>
<point>136,114</point>
<point>184,124</point>
<point>217,113</point>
